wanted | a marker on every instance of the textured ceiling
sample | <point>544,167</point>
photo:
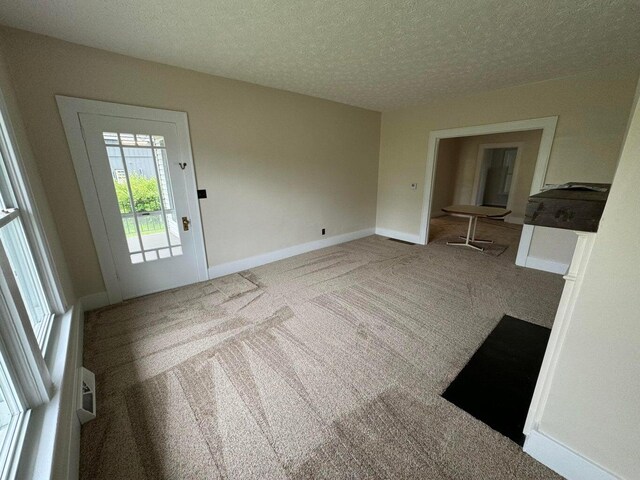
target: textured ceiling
<point>375,54</point>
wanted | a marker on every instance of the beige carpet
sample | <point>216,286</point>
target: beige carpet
<point>325,365</point>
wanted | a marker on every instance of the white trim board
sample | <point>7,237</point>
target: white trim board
<point>546,265</point>
<point>562,459</point>
<point>525,243</point>
<point>406,237</point>
<point>563,318</point>
<point>264,258</point>
<point>546,124</point>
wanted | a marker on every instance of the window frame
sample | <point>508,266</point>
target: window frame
<point>22,194</point>
<point>24,361</point>
<point>11,444</point>
<point>10,218</point>
<point>26,377</point>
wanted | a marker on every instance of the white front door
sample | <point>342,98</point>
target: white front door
<point>143,180</point>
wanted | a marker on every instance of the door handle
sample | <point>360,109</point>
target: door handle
<point>185,223</point>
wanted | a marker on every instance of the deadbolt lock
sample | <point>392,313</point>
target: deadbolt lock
<point>185,223</point>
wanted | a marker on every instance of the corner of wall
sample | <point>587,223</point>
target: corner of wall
<point>562,460</point>
<point>94,301</point>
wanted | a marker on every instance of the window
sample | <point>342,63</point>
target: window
<point>7,410</point>
<point>29,301</point>
<point>17,249</point>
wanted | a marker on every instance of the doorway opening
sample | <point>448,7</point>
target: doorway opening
<point>484,174</point>
<point>458,182</point>
<point>496,176</point>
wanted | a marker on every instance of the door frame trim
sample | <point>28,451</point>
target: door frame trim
<point>70,108</point>
<point>475,196</point>
<point>548,127</point>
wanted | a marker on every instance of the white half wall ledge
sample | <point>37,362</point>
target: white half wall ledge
<point>95,300</point>
<point>546,265</point>
<point>561,459</point>
<point>406,237</point>
<point>269,257</point>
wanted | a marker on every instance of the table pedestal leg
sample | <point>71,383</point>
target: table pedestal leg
<point>473,235</point>
<point>470,236</point>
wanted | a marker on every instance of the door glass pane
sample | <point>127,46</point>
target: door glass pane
<point>150,255</point>
<point>15,244</point>
<point>164,181</point>
<point>122,193</point>
<point>110,138</point>
<point>127,139</point>
<point>143,140</point>
<point>139,166</point>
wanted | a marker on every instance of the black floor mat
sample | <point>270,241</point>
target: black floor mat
<point>497,384</point>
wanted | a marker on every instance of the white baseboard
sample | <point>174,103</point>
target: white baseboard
<point>407,237</point>
<point>257,260</point>
<point>93,301</point>
<point>546,265</point>
<point>562,459</point>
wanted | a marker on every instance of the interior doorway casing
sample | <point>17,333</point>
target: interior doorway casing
<point>482,150</point>
<point>548,127</point>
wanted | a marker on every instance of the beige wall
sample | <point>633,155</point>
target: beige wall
<point>35,183</point>
<point>277,166</point>
<point>446,175</point>
<point>594,400</point>
<point>593,109</point>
